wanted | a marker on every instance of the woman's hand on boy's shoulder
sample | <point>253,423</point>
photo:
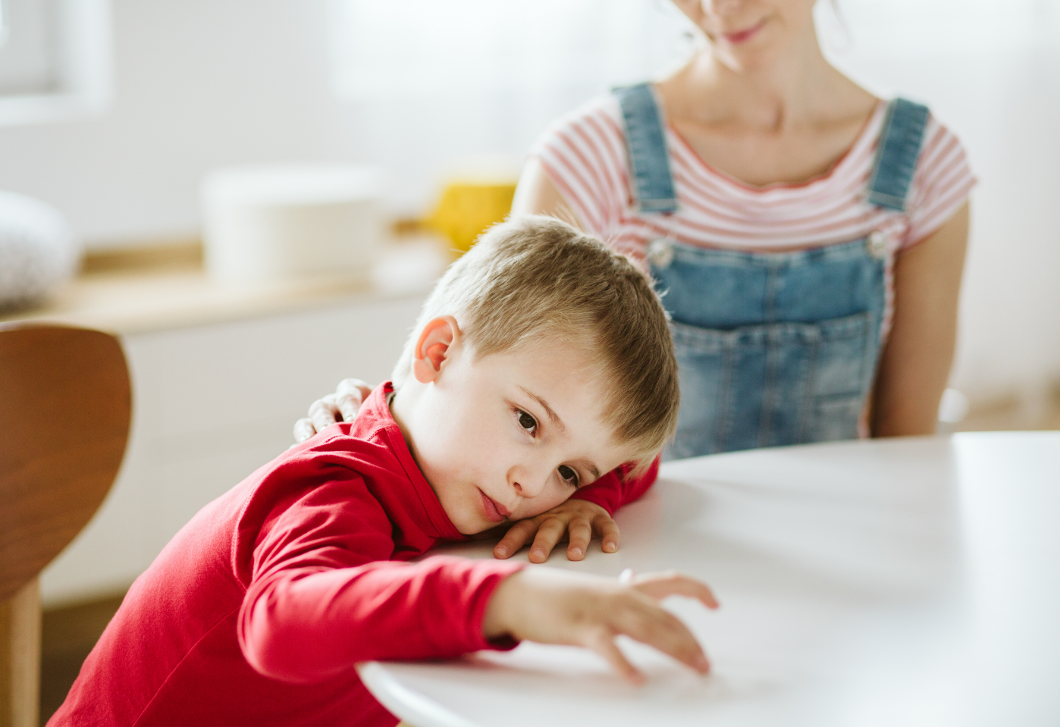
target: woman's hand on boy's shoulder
<point>342,406</point>
<point>575,520</point>
<point>559,607</point>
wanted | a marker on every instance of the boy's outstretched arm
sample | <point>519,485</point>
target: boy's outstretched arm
<point>587,513</point>
<point>557,607</point>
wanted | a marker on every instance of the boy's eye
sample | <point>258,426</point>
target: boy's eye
<point>526,421</point>
<point>568,474</point>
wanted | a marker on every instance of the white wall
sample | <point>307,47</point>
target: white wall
<point>201,83</point>
<point>991,72</point>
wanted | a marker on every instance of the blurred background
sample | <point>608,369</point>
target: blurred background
<point>113,112</point>
<point>422,88</point>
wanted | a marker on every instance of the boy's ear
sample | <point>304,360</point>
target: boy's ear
<point>432,348</point>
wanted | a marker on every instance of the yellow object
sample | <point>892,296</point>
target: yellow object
<point>467,208</point>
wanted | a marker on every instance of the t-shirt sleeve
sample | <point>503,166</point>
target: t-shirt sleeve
<point>617,488</point>
<point>322,595</point>
<point>941,184</point>
<point>584,155</point>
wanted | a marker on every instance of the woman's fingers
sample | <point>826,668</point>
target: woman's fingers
<point>353,386</point>
<point>323,412</point>
<point>580,533</point>
<point>348,406</point>
<point>342,406</point>
<point>661,585</point>
<point>303,430</point>
<point>349,396</point>
<point>550,533</point>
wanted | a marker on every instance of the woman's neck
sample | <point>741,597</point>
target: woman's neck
<point>794,87</point>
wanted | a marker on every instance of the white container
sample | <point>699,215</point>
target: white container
<point>274,222</point>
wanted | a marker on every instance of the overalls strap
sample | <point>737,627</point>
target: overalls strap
<point>649,159</point>
<point>896,155</point>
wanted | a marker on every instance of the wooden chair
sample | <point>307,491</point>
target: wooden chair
<point>65,406</point>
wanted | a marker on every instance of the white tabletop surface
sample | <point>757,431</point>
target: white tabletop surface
<point>889,582</point>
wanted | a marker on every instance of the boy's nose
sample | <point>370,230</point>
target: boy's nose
<point>529,480</point>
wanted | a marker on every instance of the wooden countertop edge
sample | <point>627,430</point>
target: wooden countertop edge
<point>169,289</point>
<point>126,315</point>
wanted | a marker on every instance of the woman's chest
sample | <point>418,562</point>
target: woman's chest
<point>760,158</point>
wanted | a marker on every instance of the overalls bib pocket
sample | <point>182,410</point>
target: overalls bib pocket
<point>771,384</point>
<point>772,349</point>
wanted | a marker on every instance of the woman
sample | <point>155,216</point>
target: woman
<point>808,237</point>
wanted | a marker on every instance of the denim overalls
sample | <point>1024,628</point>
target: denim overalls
<point>773,348</point>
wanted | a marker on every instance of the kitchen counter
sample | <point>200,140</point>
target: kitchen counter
<point>164,288</point>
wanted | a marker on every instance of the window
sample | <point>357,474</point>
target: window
<point>54,59</point>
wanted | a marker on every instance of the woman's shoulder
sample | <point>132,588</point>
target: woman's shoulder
<point>584,155</point>
<point>942,181</point>
<point>939,142</point>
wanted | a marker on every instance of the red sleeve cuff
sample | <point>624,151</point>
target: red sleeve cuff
<point>484,576</point>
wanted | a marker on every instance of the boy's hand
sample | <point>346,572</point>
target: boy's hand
<point>342,406</point>
<point>574,520</point>
<point>558,607</point>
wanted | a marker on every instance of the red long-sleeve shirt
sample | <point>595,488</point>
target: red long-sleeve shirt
<point>257,610</point>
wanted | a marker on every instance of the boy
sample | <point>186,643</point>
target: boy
<point>540,361</point>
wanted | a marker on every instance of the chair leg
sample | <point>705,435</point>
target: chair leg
<point>20,623</point>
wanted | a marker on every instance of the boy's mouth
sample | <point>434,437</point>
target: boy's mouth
<point>495,511</point>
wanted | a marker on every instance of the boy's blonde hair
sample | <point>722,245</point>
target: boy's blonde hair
<point>535,277</point>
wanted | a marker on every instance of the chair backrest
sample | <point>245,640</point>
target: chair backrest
<point>65,408</point>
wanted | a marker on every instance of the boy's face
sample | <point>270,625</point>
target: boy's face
<point>505,436</point>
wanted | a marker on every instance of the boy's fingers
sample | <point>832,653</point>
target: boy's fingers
<point>603,643</point>
<point>661,585</point>
<point>608,530</point>
<point>580,533</point>
<point>303,430</point>
<point>550,533</point>
<point>659,628</point>
<point>515,538</point>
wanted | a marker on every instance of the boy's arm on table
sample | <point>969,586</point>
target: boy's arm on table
<point>304,625</point>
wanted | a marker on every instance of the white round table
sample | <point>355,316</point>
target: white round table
<point>889,582</point>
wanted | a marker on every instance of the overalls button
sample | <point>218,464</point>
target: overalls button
<point>877,244</point>
<point>661,253</point>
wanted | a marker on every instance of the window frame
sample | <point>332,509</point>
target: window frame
<point>83,68</point>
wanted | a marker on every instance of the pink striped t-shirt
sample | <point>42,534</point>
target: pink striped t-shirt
<point>584,154</point>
